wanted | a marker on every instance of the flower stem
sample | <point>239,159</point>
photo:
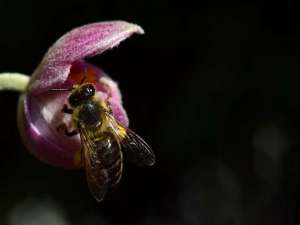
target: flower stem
<point>13,82</point>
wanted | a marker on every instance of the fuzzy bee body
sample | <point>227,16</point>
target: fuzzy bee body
<point>103,141</point>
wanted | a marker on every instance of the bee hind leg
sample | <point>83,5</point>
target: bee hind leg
<point>64,128</point>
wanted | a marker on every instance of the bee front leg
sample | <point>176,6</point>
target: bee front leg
<point>64,128</point>
<point>67,110</point>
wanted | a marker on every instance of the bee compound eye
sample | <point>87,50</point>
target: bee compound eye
<point>91,89</point>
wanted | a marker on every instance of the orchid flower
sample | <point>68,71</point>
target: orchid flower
<point>40,109</point>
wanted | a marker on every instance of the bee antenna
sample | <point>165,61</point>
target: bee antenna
<point>60,89</point>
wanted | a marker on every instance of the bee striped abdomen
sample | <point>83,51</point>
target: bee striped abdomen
<point>111,156</point>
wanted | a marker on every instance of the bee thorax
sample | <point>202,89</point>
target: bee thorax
<point>89,114</point>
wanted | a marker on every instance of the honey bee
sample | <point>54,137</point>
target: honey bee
<point>103,140</point>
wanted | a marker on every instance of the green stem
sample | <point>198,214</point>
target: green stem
<point>13,82</point>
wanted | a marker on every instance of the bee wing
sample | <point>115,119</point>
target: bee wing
<point>96,174</point>
<point>136,149</point>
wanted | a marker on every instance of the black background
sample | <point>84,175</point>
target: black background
<point>213,87</point>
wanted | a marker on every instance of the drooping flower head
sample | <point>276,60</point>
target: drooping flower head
<point>40,109</point>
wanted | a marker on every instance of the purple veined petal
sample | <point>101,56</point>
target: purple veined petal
<point>80,43</point>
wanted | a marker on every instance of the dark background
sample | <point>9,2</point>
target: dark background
<point>213,88</point>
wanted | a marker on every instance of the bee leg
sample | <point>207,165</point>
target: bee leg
<point>67,133</point>
<point>82,158</point>
<point>71,133</point>
<point>67,110</point>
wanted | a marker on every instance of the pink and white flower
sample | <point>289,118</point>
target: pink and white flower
<point>64,65</point>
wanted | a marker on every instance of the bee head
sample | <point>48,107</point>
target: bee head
<point>81,94</point>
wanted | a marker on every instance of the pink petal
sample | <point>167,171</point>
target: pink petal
<point>80,43</point>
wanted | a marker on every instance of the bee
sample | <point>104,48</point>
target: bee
<point>103,140</point>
